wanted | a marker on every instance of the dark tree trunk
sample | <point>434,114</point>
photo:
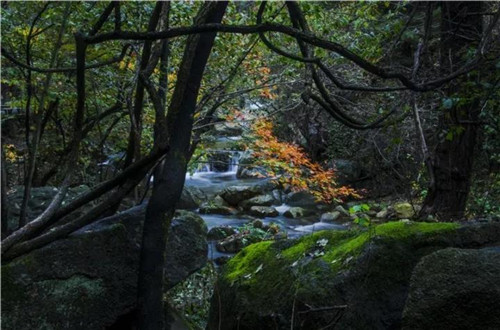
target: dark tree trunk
<point>169,178</point>
<point>453,156</point>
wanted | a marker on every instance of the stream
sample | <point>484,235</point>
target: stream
<point>212,182</point>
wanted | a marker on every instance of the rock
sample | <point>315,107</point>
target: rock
<point>263,211</point>
<point>261,200</point>
<point>330,216</point>
<point>342,210</point>
<point>296,212</point>
<point>220,232</point>
<point>89,279</point>
<point>404,210</point>
<point>235,194</point>
<point>228,129</point>
<point>247,169</point>
<point>348,171</point>
<point>190,198</point>
<point>455,289</point>
<point>382,214</point>
<point>40,199</point>
<point>278,196</point>
<point>368,272</point>
<point>217,206</point>
<point>301,198</point>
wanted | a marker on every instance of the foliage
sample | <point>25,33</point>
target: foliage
<point>360,217</point>
<point>291,166</point>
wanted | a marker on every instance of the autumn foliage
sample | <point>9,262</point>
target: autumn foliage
<point>290,165</point>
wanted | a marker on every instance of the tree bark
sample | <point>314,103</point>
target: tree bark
<point>453,156</point>
<point>169,180</point>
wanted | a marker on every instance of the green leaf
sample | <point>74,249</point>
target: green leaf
<point>447,103</point>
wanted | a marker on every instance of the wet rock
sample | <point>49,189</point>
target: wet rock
<point>261,200</point>
<point>263,211</point>
<point>342,210</point>
<point>235,194</point>
<point>220,232</point>
<point>191,198</point>
<point>217,206</point>
<point>296,212</point>
<point>382,214</point>
<point>301,199</point>
<point>330,216</point>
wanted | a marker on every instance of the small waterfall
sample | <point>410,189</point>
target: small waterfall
<point>234,161</point>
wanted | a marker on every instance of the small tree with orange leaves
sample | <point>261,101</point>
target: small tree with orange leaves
<point>290,165</point>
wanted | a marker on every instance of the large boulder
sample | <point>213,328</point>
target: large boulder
<point>40,199</point>
<point>455,289</point>
<point>89,279</point>
<point>358,279</point>
<point>247,168</point>
<point>233,195</point>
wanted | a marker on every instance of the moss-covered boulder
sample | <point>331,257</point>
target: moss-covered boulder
<point>353,279</point>
<point>455,289</point>
<point>217,206</point>
<point>89,280</point>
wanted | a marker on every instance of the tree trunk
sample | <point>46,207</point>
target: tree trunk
<point>169,178</point>
<point>453,156</point>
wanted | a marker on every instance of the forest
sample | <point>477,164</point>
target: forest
<point>250,165</point>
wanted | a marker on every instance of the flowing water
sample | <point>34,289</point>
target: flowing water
<point>212,182</point>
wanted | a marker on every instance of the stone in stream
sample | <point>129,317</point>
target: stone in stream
<point>404,210</point>
<point>220,232</point>
<point>217,206</point>
<point>89,279</point>
<point>301,198</point>
<point>296,212</point>
<point>235,194</point>
<point>263,211</point>
<point>261,200</point>
<point>455,289</point>
<point>330,216</point>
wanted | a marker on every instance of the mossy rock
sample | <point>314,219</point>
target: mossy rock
<point>455,289</point>
<point>366,273</point>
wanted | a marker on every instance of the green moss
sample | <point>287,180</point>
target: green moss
<point>248,260</point>
<point>340,245</point>
<point>401,229</point>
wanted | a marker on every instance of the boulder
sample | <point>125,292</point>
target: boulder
<point>228,129</point>
<point>247,169</point>
<point>190,199</point>
<point>330,216</point>
<point>404,210</point>
<point>455,289</point>
<point>263,211</point>
<point>235,194</point>
<point>261,200</point>
<point>301,198</point>
<point>382,214</point>
<point>348,172</point>
<point>342,210</point>
<point>40,199</point>
<point>296,212</point>
<point>217,206</point>
<point>364,273</point>
<point>89,279</point>
<point>220,232</point>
